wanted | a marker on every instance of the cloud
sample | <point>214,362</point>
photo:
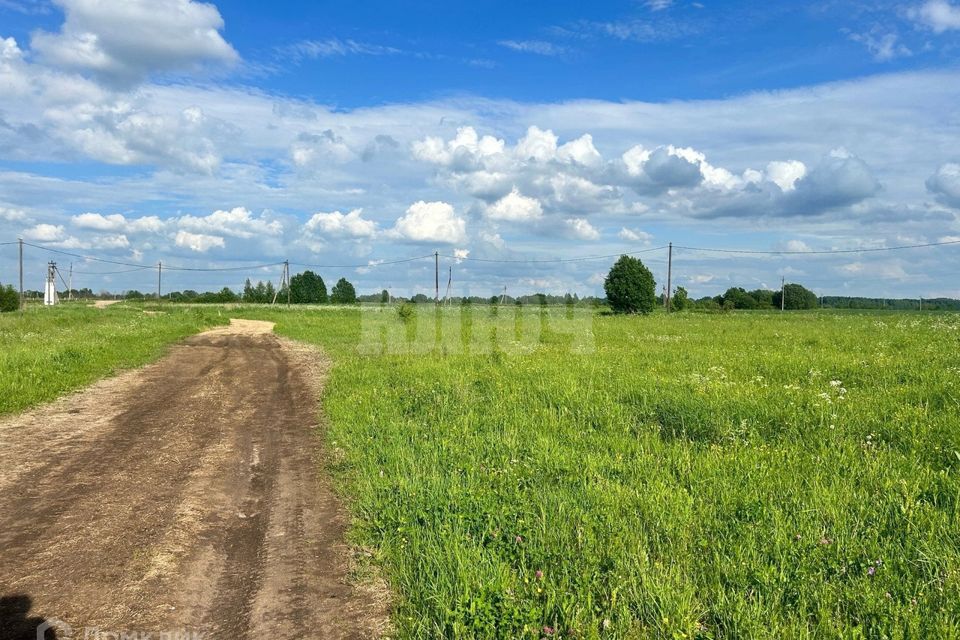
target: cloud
<point>431,222</point>
<point>785,174</point>
<point>119,223</point>
<point>582,229</point>
<point>883,46</point>
<point>938,15</point>
<point>658,5</point>
<point>635,235</point>
<point>539,47</point>
<point>127,40</point>
<point>312,148</point>
<point>238,222</point>
<point>45,233</point>
<point>199,242</point>
<point>515,207</point>
<point>839,180</point>
<point>945,184</point>
<point>334,48</point>
<point>339,225</point>
<point>12,215</point>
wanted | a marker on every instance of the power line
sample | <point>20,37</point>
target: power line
<point>820,252</point>
<point>366,265</point>
<point>110,273</point>
<point>554,260</point>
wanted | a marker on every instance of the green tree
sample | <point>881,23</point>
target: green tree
<point>739,299</point>
<point>680,299</point>
<point>307,288</point>
<point>249,293</point>
<point>384,296</point>
<point>630,286</point>
<point>343,292</point>
<point>795,297</point>
<point>763,297</point>
<point>9,298</point>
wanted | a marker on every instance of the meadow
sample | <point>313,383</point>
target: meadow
<point>741,475</point>
<point>45,353</point>
<point>756,475</point>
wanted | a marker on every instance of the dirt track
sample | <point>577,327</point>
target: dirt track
<point>182,496</point>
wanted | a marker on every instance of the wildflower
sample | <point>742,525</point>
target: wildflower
<point>835,383</point>
<point>606,623</point>
<point>825,541</point>
<point>518,539</point>
<point>796,537</point>
<point>547,631</point>
<point>539,574</point>
<point>871,571</point>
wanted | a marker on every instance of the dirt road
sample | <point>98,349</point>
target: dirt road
<point>184,496</point>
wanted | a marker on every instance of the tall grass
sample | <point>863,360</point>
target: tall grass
<point>46,352</point>
<point>756,475</point>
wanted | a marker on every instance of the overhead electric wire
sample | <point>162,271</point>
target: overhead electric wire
<point>110,273</point>
<point>365,265</point>
<point>819,252</point>
<point>554,260</point>
<point>249,267</point>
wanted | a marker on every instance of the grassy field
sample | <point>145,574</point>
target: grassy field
<point>751,475</point>
<point>745,475</point>
<point>45,353</point>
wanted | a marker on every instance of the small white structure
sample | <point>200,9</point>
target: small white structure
<point>50,293</point>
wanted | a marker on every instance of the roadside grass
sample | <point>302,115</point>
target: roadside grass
<point>747,475</point>
<point>46,352</point>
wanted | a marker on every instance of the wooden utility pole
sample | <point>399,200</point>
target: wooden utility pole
<point>159,279</point>
<point>446,298</point>
<point>921,303</point>
<point>783,289</point>
<point>20,241</point>
<point>436,276</point>
<point>70,285</point>
<point>669,273</point>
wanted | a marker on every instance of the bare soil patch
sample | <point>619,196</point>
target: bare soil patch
<point>186,495</point>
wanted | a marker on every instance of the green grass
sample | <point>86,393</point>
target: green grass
<point>750,475</point>
<point>46,352</point>
<point>745,475</point>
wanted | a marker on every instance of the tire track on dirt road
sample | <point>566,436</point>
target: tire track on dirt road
<point>182,496</point>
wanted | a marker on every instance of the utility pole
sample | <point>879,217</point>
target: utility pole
<point>436,276</point>
<point>446,298</point>
<point>286,267</point>
<point>20,241</point>
<point>70,285</point>
<point>503,296</point>
<point>669,274</point>
<point>159,279</point>
<point>921,303</point>
<point>783,289</point>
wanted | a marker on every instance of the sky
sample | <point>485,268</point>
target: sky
<point>511,138</point>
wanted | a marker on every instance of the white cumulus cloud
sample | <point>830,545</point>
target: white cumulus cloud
<point>126,40</point>
<point>431,222</point>
<point>199,242</point>
<point>515,207</point>
<point>339,225</point>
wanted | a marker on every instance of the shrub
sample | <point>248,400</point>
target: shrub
<point>630,287</point>
<point>9,298</point>
<point>680,299</point>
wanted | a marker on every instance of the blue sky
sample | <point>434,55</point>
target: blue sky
<point>348,133</point>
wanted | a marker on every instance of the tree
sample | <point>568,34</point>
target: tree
<point>343,292</point>
<point>795,296</point>
<point>307,288</point>
<point>680,299</point>
<point>739,299</point>
<point>384,296</point>
<point>630,286</point>
<point>9,298</point>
